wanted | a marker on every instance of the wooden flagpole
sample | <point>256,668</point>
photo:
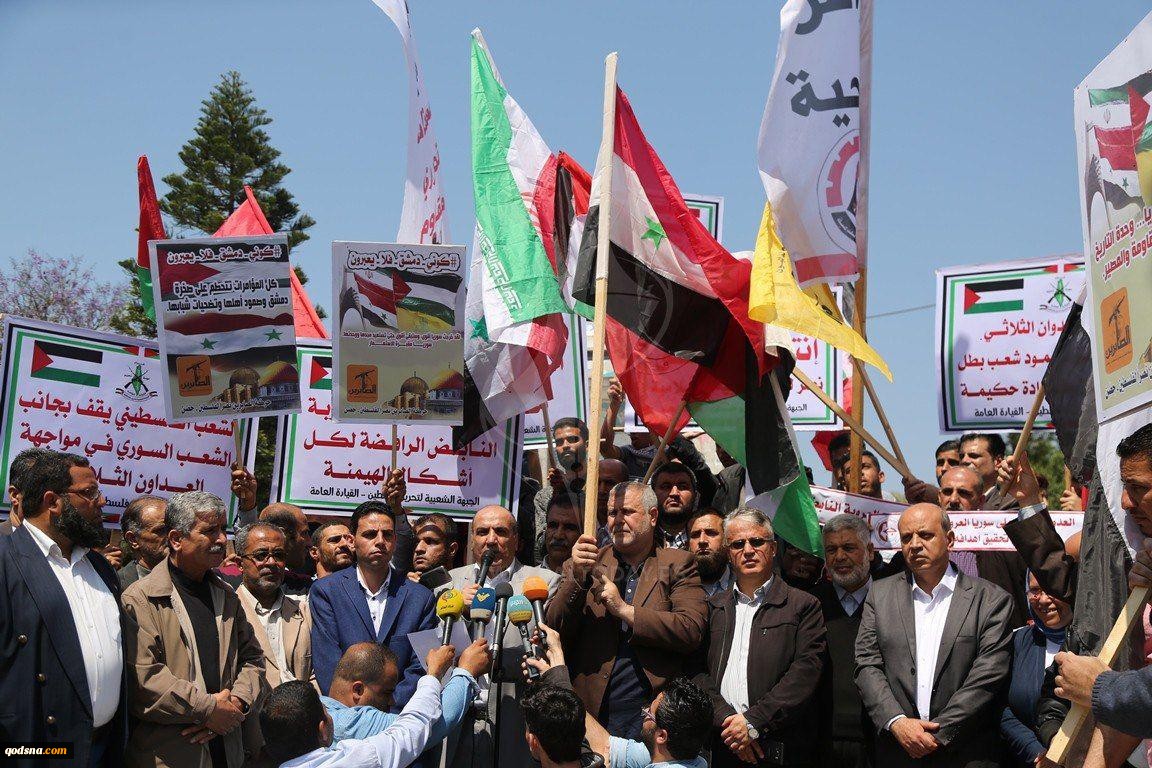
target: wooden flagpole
<point>603,242</point>
<point>1132,612</point>
<point>658,457</point>
<point>860,299</point>
<point>395,446</point>
<point>1026,432</point>
<point>854,425</point>
<point>548,435</point>
<point>862,374</point>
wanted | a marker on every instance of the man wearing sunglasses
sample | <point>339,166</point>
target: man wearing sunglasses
<point>279,621</point>
<point>765,654</point>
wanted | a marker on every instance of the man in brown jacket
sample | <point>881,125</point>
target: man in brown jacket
<point>196,667</point>
<point>629,613</point>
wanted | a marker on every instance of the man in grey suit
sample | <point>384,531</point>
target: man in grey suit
<point>494,529</point>
<point>932,655</point>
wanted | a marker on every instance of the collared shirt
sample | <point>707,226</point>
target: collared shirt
<point>734,685</point>
<point>397,746</point>
<point>675,540</point>
<point>272,620</point>
<point>626,753</point>
<point>97,619</point>
<point>504,577</point>
<point>376,600</point>
<point>722,584</point>
<point>850,601</point>
<point>364,722</point>
<point>931,611</point>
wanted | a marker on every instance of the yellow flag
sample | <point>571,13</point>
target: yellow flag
<point>775,297</point>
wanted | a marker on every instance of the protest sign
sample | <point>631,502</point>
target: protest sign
<point>569,387</point>
<point>398,341</point>
<point>330,468</point>
<point>1114,151</point>
<point>226,327</point>
<point>98,395</point>
<point>996,327</point>
<point>710,210</point>
<point>830,502</point>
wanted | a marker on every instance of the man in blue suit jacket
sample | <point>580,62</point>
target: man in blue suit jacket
<point>61,650</point>
<point>370,603</point>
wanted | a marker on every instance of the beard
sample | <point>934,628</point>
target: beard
<point>675,516</point>
<point>710,565</point>
<point>858,576</point>
<point>78,529</point>
<point>569,460</point>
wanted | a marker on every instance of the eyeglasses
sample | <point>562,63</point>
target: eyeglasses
<point>261,555</point>
<point>91,494</point>
<point>646,714</point>
<point>757,542</point>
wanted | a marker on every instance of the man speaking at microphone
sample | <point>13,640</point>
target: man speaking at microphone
<point>493,531</point>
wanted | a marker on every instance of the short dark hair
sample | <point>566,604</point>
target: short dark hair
<point>130,520</point>
<point>49,472</point>
<point>996,444</point>
<point>288,721</point>
<point>366,662</point>
<point>240,539</point>
<point>555,716</point>
<point>318,533</point>
<point>840,442</point>
<point>563,499</point>
<point>373,507</point>
<point>872,456</point>
<point>568,422</point>
<point>22,462</point>
<point>947,445</point>
<point>446,524</point>
<point>673,468</point>
<point>1139,443</point>
<point>686,714</point>
<point>704,512</point>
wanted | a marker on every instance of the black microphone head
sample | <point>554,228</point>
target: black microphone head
<point>486,559</point>
<point>504,591</point>
<point>437,577</point>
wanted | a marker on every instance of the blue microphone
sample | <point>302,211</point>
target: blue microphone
<point>480,612</point>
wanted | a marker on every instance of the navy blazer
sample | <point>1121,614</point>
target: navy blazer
<point>340,619</point>
<point>44,692</point>
<point>1018,722</point>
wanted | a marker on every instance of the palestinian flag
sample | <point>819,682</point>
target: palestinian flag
<point>67,364</point>
<point>678,326</point>
<point>515,334</point>
<point>320,373</point>
<point>430,304</point>
<point>994,296</point>
<point>382,292</point>
<point>150,228</point>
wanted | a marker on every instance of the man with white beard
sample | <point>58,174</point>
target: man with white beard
<point>848,554</point>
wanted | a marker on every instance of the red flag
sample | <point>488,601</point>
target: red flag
<point>151,227</point>
<point>249,219</point>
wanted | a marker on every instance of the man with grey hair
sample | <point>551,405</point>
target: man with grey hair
<point>196,666</point>
<point>848,553</point>
<point>629,613</point>
<point>932,654</point>
<point>765,653</point>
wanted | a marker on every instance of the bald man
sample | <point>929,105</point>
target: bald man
<point>494,530</point>
<point>933,653</point>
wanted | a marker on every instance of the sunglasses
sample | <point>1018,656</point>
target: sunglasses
<point>756,541</point>
<point>261,555</point>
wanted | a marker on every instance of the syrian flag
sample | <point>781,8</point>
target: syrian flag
<point>994,296</point>
<point>382,293</point>
<point>219,332</point>
<point>151,227</point>
<point>677,309</point>
<point>66,364</point>
<point>320,373</point>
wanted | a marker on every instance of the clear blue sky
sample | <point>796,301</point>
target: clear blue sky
<point>973,156</point>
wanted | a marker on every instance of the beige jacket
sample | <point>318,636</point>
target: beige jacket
<point>297,639</point>
<point>166,685</point>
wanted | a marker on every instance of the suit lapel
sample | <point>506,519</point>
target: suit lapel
<point>907,614</point>
<point>392,606</point>
<point>293,621</point>
<point>55,611</point>
<point>649,576</point>
<point>356,597</point>
<point>957,613</point>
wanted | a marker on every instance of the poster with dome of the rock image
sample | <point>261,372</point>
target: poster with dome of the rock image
<point>398,334</point>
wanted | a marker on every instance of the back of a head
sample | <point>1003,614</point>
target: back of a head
<point>365,662</point>
<point>283,516</point>
<point>686,714</point>
<point>555,716</point>
<point>290,719</point>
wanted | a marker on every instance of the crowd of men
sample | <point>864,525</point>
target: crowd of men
<point>680,632</point>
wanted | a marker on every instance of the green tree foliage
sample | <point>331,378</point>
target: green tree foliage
<point>231,149</point>
<point>1047,461</point>
<point>132,320</point>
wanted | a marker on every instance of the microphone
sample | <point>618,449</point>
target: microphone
<point>449,607</point>
<point>536,590</point>
<point>480,612</point>
<point>503,592</point>
<point>436,580</point>
<point>520,613</point>
<point>485,565</point>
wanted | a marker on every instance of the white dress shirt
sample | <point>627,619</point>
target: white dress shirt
<point>504,577</point>
<point>398,745</point>
<point>850,601</point>
<point>97,619</point>
<point>272,621</point>
<point>734,685</point>
<point>376,600</point>
<point>930,611</point>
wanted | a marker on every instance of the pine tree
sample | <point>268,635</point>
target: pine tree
<point>132,320</point>
<point>231,149</point>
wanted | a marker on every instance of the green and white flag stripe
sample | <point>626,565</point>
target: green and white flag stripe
<point>66,364</point>
<point>1100,96</point>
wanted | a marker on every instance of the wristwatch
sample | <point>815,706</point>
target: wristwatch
<point>752,732</point>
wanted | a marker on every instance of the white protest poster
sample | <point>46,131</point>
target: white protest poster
<point>974,531</point>
<point>569,387</point>
<point>98,395</point>
<point>710,210</point>
<point>398,337</point>
<point>1114,152</point>
<point>830,502</point>
<point>330,468</point>
<point>225,325</point>
<point>996,327</point>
